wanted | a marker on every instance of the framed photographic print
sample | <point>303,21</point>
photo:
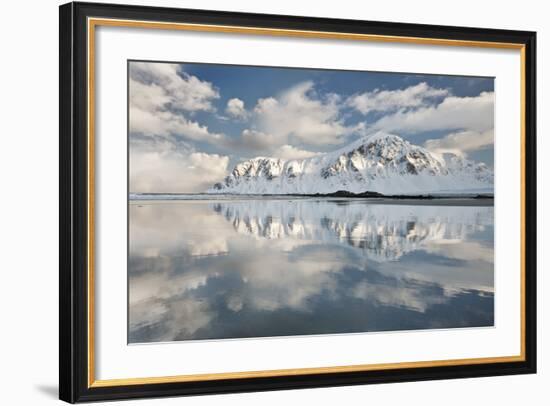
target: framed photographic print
<point>257,202</point>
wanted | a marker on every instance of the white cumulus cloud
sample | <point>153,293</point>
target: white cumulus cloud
<point>159,94</point>
<point>392,100</point>
<point>453,113</point>
<point>461,142</point>
<point>165,167</point>
<point>258,140</point>
<point>299,114</point>
<point>289,152</point>
<point>261,143</point>
<point>181,90</point>
<point>235,108</point>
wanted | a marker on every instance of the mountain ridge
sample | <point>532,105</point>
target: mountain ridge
<point>381,163</point>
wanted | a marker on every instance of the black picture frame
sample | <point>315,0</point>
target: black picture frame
<point>74,385</point>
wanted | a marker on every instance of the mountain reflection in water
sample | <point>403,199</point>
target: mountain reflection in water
<point>261,267</point>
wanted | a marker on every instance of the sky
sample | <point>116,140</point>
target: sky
<point>191,123</point>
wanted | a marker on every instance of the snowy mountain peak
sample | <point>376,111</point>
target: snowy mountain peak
<point>260,166</point>
<point>383,163</point>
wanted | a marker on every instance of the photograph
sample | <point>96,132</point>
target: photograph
<point>269,201</point>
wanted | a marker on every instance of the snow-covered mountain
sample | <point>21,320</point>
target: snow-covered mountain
<point>382,163</point>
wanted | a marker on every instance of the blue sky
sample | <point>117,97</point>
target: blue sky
<point>202,119</point>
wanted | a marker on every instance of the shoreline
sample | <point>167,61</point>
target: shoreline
<point>413,200</point>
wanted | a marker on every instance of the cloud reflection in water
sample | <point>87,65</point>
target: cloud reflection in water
<point>255,268</point>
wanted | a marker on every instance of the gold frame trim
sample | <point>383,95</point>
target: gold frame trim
<point>94,22</point>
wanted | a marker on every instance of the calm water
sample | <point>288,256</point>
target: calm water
<point>211,269</point>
